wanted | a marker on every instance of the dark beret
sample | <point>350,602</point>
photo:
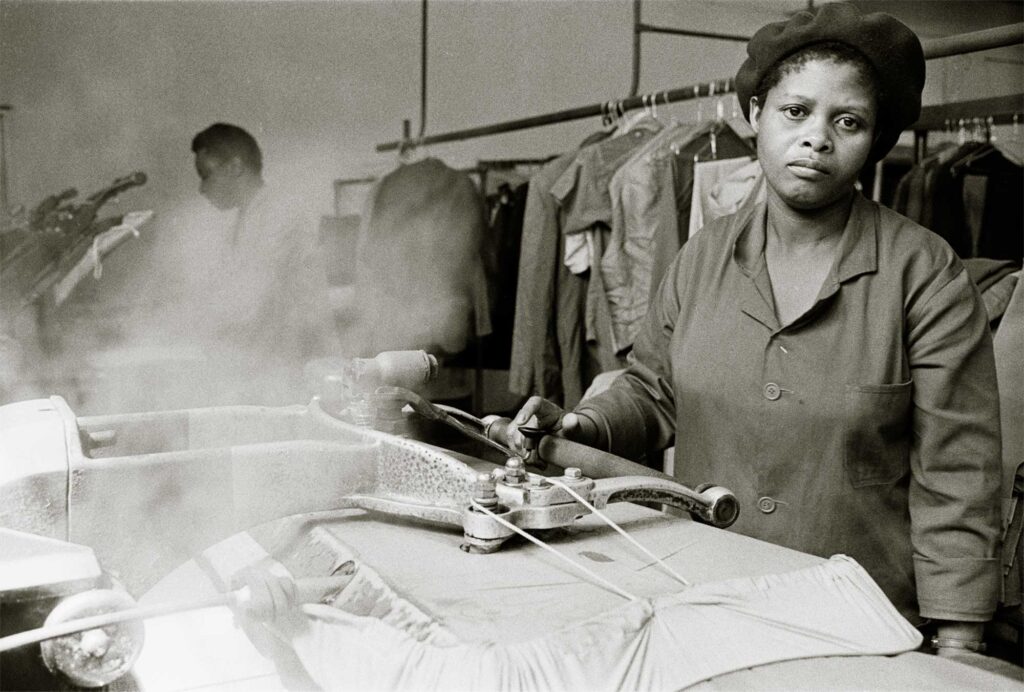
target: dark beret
<point>888,44</point>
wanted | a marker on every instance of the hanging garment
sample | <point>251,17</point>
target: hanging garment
<point>582,194</point>
<point>582,190</point>
<point>657,219</point>
<point>578,252</point>
<point>1000,235</point>
<point>644,212</point>
<point>1008,346</point>
<point>550,346</point>
<point>720,187</point>
<point>420,280</point>
<point>535,366</point>
<point>970,196</point>
<point>946,202</point>
<point>501,264</point>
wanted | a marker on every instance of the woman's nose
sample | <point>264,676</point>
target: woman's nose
<point>816,136</point>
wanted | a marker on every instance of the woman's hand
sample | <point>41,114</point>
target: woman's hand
<point>541,413</point>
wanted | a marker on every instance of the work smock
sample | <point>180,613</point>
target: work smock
<point>264,311</point>
<point>868,427</point>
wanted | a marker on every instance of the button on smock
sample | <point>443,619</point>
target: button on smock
<point>772,391</point>
<point>766,505</point>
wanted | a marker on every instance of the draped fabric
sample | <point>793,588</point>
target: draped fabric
<point>969,195</point>
<point>371,638</point>
<point>601,226</point>
<point>420,278</point>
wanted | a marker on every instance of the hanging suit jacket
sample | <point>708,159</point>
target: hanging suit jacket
<point>420,280</point>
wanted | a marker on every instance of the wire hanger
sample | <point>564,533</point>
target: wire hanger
<point>715,125</point>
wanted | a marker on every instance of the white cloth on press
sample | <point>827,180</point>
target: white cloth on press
<point>373,639</point>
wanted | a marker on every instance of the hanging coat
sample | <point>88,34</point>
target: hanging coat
<point>419,279</point>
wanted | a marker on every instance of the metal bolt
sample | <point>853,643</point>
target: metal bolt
<point>573,473</point>
<point>483,491</point>
<point>538,481</point>
<point>515,471</point>
<point>483,487</point>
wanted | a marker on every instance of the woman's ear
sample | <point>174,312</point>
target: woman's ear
<point>755,113</point>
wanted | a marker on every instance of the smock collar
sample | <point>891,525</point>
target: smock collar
<point>856,254</point>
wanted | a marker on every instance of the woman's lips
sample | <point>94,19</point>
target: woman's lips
<point>809,168</point>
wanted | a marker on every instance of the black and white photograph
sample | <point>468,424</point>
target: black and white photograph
<point>511,345</point>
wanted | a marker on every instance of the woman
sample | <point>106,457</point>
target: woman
<point>828,360</point>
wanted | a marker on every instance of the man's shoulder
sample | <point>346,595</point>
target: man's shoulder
<point>276,213</point>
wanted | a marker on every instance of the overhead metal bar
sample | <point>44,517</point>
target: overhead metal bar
<point>959,44</point>
<point>974,41</point>
<point>654,29</point>
<point>722,86</point>
<point>998,110</point>
<point>640,28</point>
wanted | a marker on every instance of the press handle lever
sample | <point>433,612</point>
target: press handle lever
<point>565,453</point>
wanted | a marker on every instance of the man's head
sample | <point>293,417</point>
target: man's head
<point>229,164</point>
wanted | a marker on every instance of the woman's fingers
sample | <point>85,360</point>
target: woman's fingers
<point>533,406</point>
<point>570,423</point>
<point>537,412</point>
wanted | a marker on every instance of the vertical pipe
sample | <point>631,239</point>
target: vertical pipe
<point>920,145</point>
<point>634,84</point>
<point>423,70</point>
<point>4,201</point>
<point>876,183</point>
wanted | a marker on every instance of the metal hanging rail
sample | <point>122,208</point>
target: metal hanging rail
<point>998,110</point>
<point>959,44</point>
<point>640,28</point>
<point>722,86</point>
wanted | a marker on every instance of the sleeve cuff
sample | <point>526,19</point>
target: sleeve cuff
<point>957,588</point>
<point>629,440</point>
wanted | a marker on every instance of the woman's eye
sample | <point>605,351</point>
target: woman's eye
<point>849,123</point>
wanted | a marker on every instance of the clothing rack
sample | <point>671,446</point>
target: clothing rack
<point>984,113</point>
<point>958,44</point>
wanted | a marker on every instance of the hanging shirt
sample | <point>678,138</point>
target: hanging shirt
<point>656,213</point>
<point>644,211</point>
<point>720,187</point>
<point>582,190</point>
<point>869,426</point>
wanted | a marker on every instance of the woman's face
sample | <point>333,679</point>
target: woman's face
<point>814,132</point>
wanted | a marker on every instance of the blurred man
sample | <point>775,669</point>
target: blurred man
<point>266,310</point>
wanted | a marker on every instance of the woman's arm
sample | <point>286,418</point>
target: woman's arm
<point>635,417</point>
<point>955,483</point>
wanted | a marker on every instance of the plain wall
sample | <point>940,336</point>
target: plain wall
<point>102,89</point>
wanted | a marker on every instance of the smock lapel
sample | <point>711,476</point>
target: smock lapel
<point>858,248</point>
<point>755,298</point>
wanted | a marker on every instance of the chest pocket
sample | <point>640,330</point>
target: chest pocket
<point>876,444</point>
